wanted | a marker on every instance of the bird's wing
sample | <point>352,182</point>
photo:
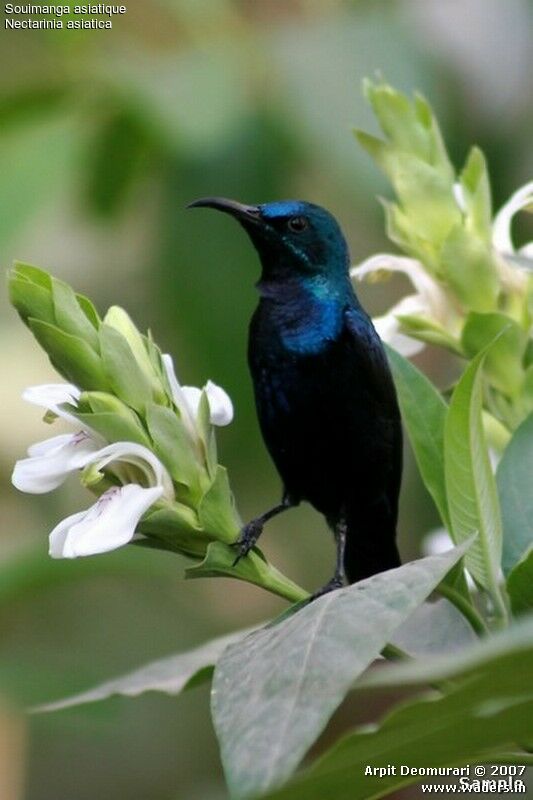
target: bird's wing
<point>370,359</point>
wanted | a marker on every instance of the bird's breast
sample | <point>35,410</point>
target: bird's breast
<point>299,326</point>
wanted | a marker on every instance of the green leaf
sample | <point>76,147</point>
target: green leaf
<point>520,585</point>
<point>89,310</point>
<point>110,417</point>
<point>71,356</point>
<point>274,693</point>
<point>486,711</point>
<point>516,498</point>
<point>112,427</point>
<point>219,562</point>
<point>177,527</point>
<point>69,316</point>
<point>118,319</point>
<point>503,364</point>
<point>434,627</point>
<point>474,180</point>
<point>30,299</point>
<point>34,274</point>
<point>469,268</point>
<point>174,446</point>
<point>217,512</point>
<point>471,488</point>
<point>172,675</point>
<point>124,374</point>
<point>423,413</point>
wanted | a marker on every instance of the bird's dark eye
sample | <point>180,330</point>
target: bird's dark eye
<point>297,224</point>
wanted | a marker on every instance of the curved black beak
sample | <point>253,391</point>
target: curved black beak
<point>240,211</point>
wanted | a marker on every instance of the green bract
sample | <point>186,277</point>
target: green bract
<point>470,653</point>
<point>471,283</point>
<point>130,402</point>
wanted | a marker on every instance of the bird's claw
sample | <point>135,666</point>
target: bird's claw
<point>335,583</point>
<point>247,539</point>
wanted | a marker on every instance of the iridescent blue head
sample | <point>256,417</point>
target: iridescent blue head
<point>295,240</point>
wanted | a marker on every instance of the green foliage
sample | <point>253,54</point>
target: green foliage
<point>172,675</point>
<point>516,499</point>
<point>485,712</point>
<point>470,484</point>
<point>423,412</point>
<point>276,688</point>
<point>299,671</point>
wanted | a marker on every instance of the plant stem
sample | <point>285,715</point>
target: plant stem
<point>467,609</point>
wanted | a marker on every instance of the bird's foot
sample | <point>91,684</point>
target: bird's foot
<point>335,583</point>
<point>247,539</point>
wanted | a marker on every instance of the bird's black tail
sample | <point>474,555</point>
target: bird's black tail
<point>370,544</point>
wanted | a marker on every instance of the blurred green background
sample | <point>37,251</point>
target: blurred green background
<point>104,137</point>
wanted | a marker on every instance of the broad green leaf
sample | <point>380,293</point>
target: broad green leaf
<point>123,371</point>
<point>503,363</point>
<point>69,316</point>
<point>471,488</point>
<point>486,712</point>
<point>219,562</point>
<point>71,356</point>
<point>434,627</point>
<point>423,413</point>
<point>520,585</point>
<point>171,675</point>
<point>516,498</point>
<point>174,446</point>
<point>276,690</point>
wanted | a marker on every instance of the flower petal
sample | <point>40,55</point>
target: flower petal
<point>51,461</point>
<point>51,395</point>
<point>58,537</point>
<point>179,396</point>
<point>388,328</point>
<point>501,228</point>
<point>187,399</point>
<point>220,405</point>
<point>110,523</point>
<point>432,294</point>
<point>138,455</point>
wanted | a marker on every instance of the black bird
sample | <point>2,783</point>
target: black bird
<point>325,397</point>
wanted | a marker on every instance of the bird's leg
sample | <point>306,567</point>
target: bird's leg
<point>253,530</point>
<point>339,578</point>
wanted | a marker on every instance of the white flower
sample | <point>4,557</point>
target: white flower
<point>429,301</point>
<point>51,395</point>
<point>51,461</point>
<point>111,521</point>
<point>502,234</point>
<point>187,399</point>
<point>147,463</point>
<point>108,524</point>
